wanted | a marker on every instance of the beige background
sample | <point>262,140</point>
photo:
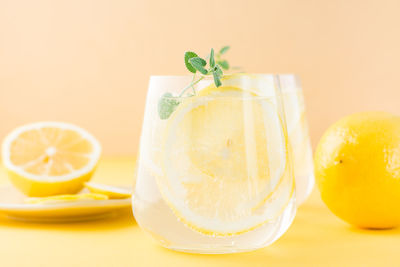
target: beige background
<point>88,62</point>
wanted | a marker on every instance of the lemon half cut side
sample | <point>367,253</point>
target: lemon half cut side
<point>224,161</point>
<point>50,158</point>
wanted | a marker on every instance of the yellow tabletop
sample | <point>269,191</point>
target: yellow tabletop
<point>316,238</point>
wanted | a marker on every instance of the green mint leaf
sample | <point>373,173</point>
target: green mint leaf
<point>212,60</point>
<point>224,64</point>
<point>217,79</point>
<point>203,71</point>
<point>199,63</point>
<point>167,105</point>
<point>224,49</point>
<point>188,56</point>
<point>218,70</point>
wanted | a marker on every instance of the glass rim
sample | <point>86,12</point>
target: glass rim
<point>214,97</point>
<point>280,84</point>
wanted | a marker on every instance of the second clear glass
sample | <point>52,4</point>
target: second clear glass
<point>299,139</point>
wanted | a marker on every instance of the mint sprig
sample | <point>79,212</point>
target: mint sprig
<point>167,103</point>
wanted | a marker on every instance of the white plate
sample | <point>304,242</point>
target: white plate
<point>12,205</point>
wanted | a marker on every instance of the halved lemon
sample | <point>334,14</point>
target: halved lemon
<point>112,192</point>
<point>66,198</point>
<point>224,162</point>
<point>50,158</point>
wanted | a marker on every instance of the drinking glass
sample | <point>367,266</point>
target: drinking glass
<point>214,171</point>
<point>297,127</point>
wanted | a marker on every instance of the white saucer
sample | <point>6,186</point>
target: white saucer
<point>13,206</point>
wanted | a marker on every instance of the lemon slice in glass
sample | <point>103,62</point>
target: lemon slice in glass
<point>223,161</point>
<point>50,158</point>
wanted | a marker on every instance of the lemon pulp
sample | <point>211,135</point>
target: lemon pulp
<point>224,157</point>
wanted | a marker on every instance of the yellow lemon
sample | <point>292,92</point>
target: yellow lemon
<point>112,192</point>
<point>357,168</point>
<point>66,198</point>
<point>223,159</point>
<point>50,158</point>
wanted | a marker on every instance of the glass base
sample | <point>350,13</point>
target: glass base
<point>253,240</point>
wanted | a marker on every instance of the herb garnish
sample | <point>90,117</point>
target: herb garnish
<point>167,103</point>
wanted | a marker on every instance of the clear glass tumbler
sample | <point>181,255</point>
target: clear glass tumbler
<point>214,168</point>
<point>299,139</point>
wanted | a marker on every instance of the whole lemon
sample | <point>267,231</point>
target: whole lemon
<point>357,168</point>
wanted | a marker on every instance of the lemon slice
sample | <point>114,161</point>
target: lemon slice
<point>224,161</point>
<point>112,192</point>
<point>50,158</point>
<point>66,198</point>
